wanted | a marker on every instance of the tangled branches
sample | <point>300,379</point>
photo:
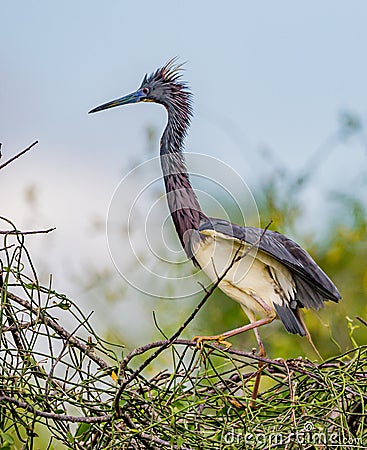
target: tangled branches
<point>89,395</point>
<point>62,382</point>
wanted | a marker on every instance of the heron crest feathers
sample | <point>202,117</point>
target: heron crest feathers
<point>171,72</point>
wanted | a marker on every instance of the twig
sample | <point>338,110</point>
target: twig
<point>19,326</point>
<point>61,417</point>
<point>58,359</point>
<point>48,321</point>
<point>48,230</point>
<point>18,155</point>
<point>148,437</point>
<point>362,320</point>
<point>144,348</point>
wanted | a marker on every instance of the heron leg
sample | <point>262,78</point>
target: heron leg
<point>221,338</point>
<point>261,353</point>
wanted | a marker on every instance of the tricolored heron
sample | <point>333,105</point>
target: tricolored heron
<point>274,281</point>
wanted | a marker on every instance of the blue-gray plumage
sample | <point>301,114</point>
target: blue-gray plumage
<point>276,277</point>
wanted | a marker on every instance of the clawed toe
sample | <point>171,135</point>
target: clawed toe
<point>200,341</point>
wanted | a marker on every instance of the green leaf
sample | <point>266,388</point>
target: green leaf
<point>70,437</point>
<point>8,438</point>
<point>83,428</point>
<point>65,305</point>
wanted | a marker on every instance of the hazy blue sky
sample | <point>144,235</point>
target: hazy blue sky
<point>271,74</point>
<point>279,72</point>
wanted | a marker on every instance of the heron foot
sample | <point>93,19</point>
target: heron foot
<point>200,341</point>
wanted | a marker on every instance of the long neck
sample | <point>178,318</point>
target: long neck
<point>182,201</point>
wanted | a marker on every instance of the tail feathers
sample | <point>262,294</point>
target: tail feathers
<point>290,319</point>
<point>293,321</point>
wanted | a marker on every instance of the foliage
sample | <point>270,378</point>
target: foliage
<point>87,394</point>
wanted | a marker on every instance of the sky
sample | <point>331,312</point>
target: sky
<point>264,75</point>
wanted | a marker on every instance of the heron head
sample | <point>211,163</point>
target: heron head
<point>164,86</point>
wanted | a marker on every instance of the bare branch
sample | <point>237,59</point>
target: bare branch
<point>49,415</point>
<point>48,230</point>
<point>61,331</point>
<point>18,155</point>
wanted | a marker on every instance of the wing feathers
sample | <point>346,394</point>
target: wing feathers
<point>313,286</point>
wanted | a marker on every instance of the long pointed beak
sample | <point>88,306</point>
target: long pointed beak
<point>134,97</point>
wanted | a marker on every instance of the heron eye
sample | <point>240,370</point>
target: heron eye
<point>145,91</point>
